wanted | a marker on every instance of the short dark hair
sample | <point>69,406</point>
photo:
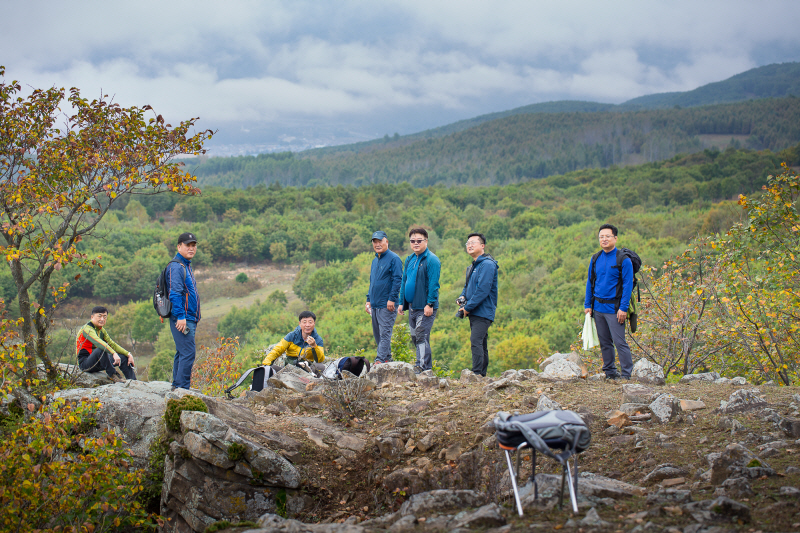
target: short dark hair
<point>479,235</point>
<point>421,231</point>
<point>99,309</point>
<point>307,314</point>
<point>612,227</point>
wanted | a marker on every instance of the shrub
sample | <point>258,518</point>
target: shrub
<point>172,415</point>
<point>216,367</point>
<point>54,477</point>
<point>235,451</point>
<point>241,277</point>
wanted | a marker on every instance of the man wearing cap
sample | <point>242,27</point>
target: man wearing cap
<point>384,290</point>
<point>185,312</point>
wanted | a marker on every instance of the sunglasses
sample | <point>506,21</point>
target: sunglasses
<point>416,241</point>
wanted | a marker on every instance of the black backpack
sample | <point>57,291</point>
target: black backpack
<point>161,300</point>
<point>636,262</point>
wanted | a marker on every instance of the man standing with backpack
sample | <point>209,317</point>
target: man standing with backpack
<point>185,313</point>
<point>608,293</point>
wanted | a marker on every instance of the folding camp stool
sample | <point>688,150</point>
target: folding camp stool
<point>515,433</point>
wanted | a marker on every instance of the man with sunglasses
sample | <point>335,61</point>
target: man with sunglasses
<point>480,300</point>
<point>419,293</point>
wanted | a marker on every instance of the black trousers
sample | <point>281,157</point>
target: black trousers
<point>100,359</point>
<point>478,338</point>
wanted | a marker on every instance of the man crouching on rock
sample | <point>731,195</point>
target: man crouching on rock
<point>302,344</point>
<point>97,351</point>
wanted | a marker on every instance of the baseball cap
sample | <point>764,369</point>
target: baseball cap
<point>379,235</point>
<point>187,238</point>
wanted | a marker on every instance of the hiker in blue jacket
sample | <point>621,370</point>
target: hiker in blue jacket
<point>609,308</point>
<point>185,312</point>
<point>419,293</point>
<point>480,295</point>
<point>385,276</point>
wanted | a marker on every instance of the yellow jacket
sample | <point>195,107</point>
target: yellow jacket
<point>295,347</point>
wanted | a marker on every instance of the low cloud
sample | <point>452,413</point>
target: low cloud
<point>277,62</point>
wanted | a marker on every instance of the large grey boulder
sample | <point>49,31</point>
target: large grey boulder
<point>743,400</point>
<point>572,357</point>
<point>705,376</point>
<point>790,426</point>
<point>133,409</point>
<point>645,371</point>
<point>212,473</point>
<point>562,370</point>
<point>737,461</point>
<point>665,408</point>
<point>392,372</point>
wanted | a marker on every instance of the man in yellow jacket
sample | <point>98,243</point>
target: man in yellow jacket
<point>301,344</point>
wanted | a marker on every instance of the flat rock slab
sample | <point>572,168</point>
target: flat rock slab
<point>692,405</point>
<point>440,500</point>
<point>351,442</point>
<point>635,393</point>
<point>316,437</point>
<point>393,372</point>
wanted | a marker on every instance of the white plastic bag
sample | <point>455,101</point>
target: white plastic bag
<point>590,339</point>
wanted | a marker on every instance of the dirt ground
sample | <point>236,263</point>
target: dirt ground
<point>363,487</point>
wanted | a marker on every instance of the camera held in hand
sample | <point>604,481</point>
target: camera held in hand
<point>460,301</point>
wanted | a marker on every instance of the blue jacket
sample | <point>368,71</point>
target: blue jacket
<point>481,289</point>
<point>183,290</point>
<point>605,285</point>
<point>426,281</point>
<point>384,279</point>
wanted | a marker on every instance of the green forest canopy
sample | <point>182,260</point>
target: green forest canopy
<point>541,231</point>
<point>521,147</point>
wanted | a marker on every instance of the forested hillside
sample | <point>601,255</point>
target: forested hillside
<point>541,232</point>
<point>771,81</point>
<point>523,147</point>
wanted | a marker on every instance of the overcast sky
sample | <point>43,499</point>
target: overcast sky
<point>266,71</point>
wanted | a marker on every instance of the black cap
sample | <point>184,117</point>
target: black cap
<point>380,235</point>
<point>187,238</point>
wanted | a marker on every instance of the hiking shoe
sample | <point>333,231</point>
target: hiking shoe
<point>418,370</point>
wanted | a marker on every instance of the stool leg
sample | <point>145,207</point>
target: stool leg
<point>513,481</point>
<point>561,492</point>
<point>572,496</point>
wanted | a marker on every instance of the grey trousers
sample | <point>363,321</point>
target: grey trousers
<point>382,326</point>
<point>478,339</point>
<point>419,326</point>
<point>611,333</point>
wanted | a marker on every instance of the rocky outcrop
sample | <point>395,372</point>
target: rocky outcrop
<point>78,377</point>
<point>133,409</point>
<point>212,473</point>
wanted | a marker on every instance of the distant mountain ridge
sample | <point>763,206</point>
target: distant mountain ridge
<point>770,81</point>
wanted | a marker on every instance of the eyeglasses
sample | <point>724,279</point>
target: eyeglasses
<point>417,241</point>
<point>472,243</point>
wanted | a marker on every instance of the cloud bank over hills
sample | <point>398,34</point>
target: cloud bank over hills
<point>299,74</point>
